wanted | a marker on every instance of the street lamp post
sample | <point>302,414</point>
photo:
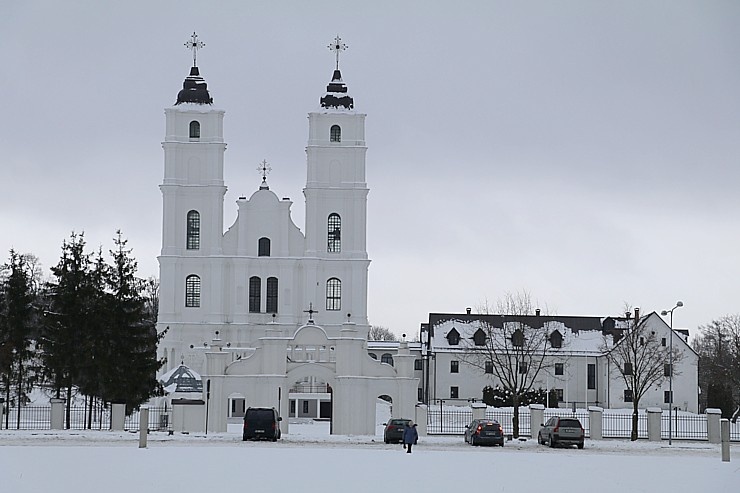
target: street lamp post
<point>670,375</point>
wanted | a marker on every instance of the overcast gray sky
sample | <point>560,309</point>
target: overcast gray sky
<point>584,151</point>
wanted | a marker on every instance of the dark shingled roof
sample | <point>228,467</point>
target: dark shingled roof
<point>194,89</point>
<point>336,94</point>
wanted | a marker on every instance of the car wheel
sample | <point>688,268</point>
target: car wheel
<point>472,441</point>
<point>539,439</point>
<point>580,445</point>
<point>552,442</point>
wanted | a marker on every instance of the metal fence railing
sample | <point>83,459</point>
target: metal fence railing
<point>619,425</point>
<point>453,420</point>
<point>684,426</point>
<point>80,418</point>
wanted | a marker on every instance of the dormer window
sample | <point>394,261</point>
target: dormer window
<point>195,129</point>
<point>335,134</point>
<point>479,338</point>
<point>453,337</point>
<point>517,338</point>
<point>556,339</point>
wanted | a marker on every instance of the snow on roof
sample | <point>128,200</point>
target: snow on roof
<point>181,379</point>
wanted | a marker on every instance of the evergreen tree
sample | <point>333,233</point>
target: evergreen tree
<point>130,374</point>
<point>68,313</point>
<point>17,330</point>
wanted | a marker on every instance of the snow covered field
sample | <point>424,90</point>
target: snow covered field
<point>311,460</point>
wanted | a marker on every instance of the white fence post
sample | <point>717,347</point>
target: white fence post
<point>725,426</point>
<point>536,419</point>
<point>479,410</point>
<point>713,428</point>
<point>421,419</point>
<point>117,416</point>
<point>57,414</point>
<point>596,422</point>
<point>654,415</point>
<point>143,425</point>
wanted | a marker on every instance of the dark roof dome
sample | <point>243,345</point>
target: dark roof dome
<point>194,89</point>
<point>336,94</point>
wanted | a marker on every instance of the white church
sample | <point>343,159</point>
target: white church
<point>267,314</point>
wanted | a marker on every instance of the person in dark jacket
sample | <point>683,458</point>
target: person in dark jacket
<point>410,436</point>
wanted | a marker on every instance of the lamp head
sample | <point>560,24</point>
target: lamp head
<point>679,303</point>
<point>664,313</point>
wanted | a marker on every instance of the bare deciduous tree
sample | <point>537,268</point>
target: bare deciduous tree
<point>718,346</point>
<point>380,333</point>
<point>639,357</point>
<point>508,348</point>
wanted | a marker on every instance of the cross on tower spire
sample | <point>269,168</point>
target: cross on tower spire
<point>194,44</point>
<point>337,46</point>
<point>264,169</point>
<point>310,312</point>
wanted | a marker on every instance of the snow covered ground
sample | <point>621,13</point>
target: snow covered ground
<point>311,460</point>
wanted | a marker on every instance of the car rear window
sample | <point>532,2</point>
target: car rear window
<point>399,422</point>
<point>570,423</point>
<point>490,426</point>
<point>260,413</point>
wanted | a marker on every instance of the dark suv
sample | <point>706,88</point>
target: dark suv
<point>261,423</point>
<point>393,432</point>
<point>561,431</point>
<point>484,432</point>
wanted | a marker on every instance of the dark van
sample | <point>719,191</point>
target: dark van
<point>261,423</point>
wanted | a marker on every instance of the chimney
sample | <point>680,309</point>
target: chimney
<point>537,312</point>
<point>468,310</point>
<point>637,314</point>
<point>628,315</point>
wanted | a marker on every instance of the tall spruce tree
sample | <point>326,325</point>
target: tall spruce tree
<point>130,374</point>
<point>17,330</point>
<point>66,319</point>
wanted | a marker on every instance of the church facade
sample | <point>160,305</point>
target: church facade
<point>264,273</point>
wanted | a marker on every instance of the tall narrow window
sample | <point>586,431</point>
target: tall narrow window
<point>627,369</point>
<point>667,370</point>
<point>517,338</point>
<point>333,294</point>
<point>263,247</point>
<point>628,395</point>
<point>255,288</point>
<point>453,337</point>
<point>387,358</point>
<point>193,234</point>
<point>335,134</point>
<point>192,291</point>
<point>591,380</point>
<point>418,365</point>
<point>334,236</point>
<point>195,129</point>
<point>272,295</point>
<point>489,366</point>
<point>523,367</point>
<point>559,368</point>
<point>454,366</point>
<point>454,392</point>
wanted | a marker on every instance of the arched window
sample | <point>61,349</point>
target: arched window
<point>373,355</point>
<point>453,337</point>
<point>272,295</point>
<point>335,134</point>
<point>334,236</point>
<point>479,338</point>
<point>193,234</point>
<point>194,130</point>
<point>333,294</point>
<point>192,291</point>
<point>255,289</point>
<point>387,358</point>
<point>263,247</point>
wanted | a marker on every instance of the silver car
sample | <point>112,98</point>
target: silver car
<point>561,431</point>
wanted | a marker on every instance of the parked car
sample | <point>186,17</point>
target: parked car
<point>261,423</point>
<point>561,431</point>
<point>393,432</point>
<point>484,432</point>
